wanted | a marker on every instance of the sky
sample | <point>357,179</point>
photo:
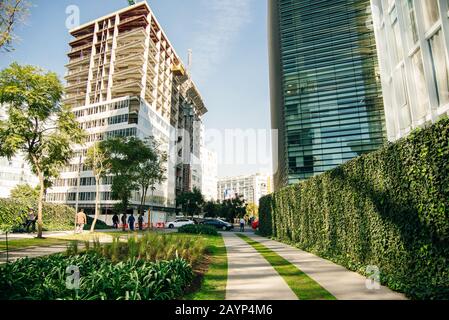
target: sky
<point>230,64</point>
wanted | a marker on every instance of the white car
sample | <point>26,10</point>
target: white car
<point>178,223</point>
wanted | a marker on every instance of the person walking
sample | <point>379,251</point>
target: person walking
<point>124,221</point>
<point>131,222</point>
<point>140,221</point>
<point>115,220</point>
<point>81,220</point>
<point>242,225</point>
<point>31,221</point>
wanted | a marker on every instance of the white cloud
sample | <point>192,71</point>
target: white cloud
<point>216,33</point>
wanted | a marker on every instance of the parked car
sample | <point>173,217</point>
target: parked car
<point>255,224</point>
<point>219,224</point>
<point>178,223</point>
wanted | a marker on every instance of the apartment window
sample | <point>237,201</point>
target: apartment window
<point>402,98</point>
<point>422,97</point>
<point>430,12</point>
<point>440,67</point>
<point>399,54</point>
<point>411,30</point>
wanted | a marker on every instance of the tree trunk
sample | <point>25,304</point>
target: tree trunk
<point>97,201</point>
<point>142,199</point>
<point>40,200</point>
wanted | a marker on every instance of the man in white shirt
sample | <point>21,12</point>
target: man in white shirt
<point>242,225</point>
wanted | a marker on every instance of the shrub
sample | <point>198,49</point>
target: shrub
<point>99,225</point>
<point>45,279</point>
<point>55,216</point>
<point>389,208</point>
<point>156,247</point>
<point>198,229</point>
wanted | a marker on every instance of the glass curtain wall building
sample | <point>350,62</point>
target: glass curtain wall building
<point>326,97</point>
<point>413,41</point>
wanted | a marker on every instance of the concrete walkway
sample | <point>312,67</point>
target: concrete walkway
<point>40,251</point>
<point>32,252</point>
<point>340,282</point>
<point>250,276</point>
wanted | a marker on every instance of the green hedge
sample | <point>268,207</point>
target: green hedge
<point>198,229</point>
<point>389,208</point>
<point>55,216</point>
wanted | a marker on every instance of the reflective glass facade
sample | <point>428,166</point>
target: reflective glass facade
<point>326,94</point>
<point>413,47</point>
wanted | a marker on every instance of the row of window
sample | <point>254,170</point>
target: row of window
<point>329,62</point>
<point>102,108</point>
<point>420,73</point>
<point>122,118</point>
<point>83,196</point>
<point>128,132</point>
<point>86,181</point>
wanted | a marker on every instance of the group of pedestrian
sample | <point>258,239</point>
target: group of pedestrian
<point>131,221</point>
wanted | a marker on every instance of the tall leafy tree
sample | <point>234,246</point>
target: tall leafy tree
<point>124,157</point>
<point>233,208</point>
<point>252,209</point>
<point>26,194</point>
<point>191,202</point>
<point>211,209</point>
<point>97,160</point>
<point>153,171</point>
<point>12,13</point>
<point>37,124</point>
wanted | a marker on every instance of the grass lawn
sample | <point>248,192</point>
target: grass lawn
<point>213,282</point>
<point>15,244</point>
<point>301,284</point>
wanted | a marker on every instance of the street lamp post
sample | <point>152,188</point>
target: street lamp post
<point>78,188</point>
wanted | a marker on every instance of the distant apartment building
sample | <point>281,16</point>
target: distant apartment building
<point>124,79</point>
<point>14,171</point>
<point>250,187</point>
<point>326,95</point>
<point>209,178</point>
<point>413,40</point>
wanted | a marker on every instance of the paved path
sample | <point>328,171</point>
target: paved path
<point>39,251</point>
<point>340,282</point>
<point>32,252</point>
<point>250,276</point>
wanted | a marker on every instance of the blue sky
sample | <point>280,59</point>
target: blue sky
<point>228,39</point>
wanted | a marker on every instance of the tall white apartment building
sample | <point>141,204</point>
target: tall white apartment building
<point>209,178</point>
<point>250,187</point>
<point>412,42</point>
<point>125,79</point>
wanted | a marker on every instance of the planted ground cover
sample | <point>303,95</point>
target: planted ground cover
<point>301,284</point>
<point>101,279</point>
<point>154,266</point>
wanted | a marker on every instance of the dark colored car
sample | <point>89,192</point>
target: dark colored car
<point>219,224</point>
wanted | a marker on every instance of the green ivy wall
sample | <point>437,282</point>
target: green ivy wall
<point>389,208</point>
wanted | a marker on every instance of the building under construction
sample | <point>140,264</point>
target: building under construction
<point>124,78</point>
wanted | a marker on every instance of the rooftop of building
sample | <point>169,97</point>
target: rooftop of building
<point>194,92</point>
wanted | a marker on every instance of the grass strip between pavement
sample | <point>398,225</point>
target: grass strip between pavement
<point>301,284</point>
<point>213,286</point>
